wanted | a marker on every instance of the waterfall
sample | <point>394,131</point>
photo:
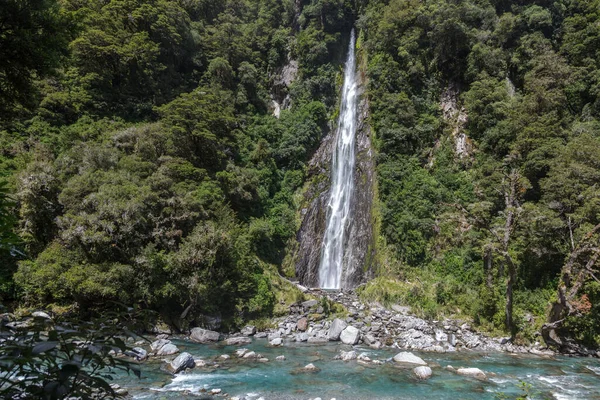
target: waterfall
<point>342,184</point>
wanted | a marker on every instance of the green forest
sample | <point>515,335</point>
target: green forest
<point>141,161</point>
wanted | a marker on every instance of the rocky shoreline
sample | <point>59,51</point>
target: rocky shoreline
<point>375,326</point>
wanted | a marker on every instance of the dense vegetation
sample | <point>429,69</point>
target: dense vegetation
<point>143,162</point>
<point>487,221</point>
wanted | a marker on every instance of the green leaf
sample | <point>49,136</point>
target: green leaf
<point>43,347</point>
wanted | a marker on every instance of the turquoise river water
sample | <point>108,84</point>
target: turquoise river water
<point>557,377</point>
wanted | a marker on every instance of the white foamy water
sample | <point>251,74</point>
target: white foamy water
<point>342,185</point>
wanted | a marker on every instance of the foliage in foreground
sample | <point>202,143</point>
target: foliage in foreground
<point>42,358</point>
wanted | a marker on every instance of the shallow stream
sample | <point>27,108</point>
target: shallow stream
<point>557,377</point>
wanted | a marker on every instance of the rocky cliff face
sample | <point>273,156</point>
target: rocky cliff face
<point>359,246</point>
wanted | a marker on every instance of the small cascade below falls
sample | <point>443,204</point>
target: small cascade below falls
<point>342,182</point>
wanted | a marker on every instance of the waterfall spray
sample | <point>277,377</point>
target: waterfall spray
<point>342,184</point>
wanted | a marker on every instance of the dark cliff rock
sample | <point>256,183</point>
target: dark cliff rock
<point>359,246</point>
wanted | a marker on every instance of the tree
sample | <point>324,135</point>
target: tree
<point>33,38</point>
<point>581,265</point>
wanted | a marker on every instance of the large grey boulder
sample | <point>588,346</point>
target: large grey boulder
<point>472,373</point>
<point>236,341</point>
<point>167,350</point>
<point>408,358</point>
<point>336,328</point>
<point>350,335</point>
<point>423,372</point>
<point>276,342</point>
<point>182,362</point>
<point>158,344</point>
<point>200,335</point>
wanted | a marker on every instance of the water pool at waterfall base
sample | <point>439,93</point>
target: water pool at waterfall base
<point>556,377</point>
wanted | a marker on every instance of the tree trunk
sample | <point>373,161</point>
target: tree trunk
<point>512,276</point>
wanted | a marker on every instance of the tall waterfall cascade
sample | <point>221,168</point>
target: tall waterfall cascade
<point>342,180</point>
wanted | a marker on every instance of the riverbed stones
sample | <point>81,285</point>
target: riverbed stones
<point>302,337</point>
<point>423,372</point>
<point>318,339</point>
<point>336,328</point>
<point>350,335</point>
<point>310,368</point>
<point>302,324</point>
<point>237,341</point>
<point>200,335</point>
<point>167,350</point>
<point>408,358</point>
<point>249,330</point>
<point>241,352</point>
<point>348,355</point>
<point>472,373</point>
<point>249,354</point>
<point>138,353</point>
<point>182,362</point>
<point>158,344</point>
<point>276,342</point>
<point>280,358</point>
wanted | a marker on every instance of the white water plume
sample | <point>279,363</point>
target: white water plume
<point>342,184</point>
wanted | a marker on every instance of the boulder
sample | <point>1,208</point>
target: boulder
<point>408,358</point>
<point>225,356</point>
<point>472,373</point>
<point>138,353</point>
<point>260,335</point>
<point>336,328</point>
<point>302,324</point>
<point>377,345</point>
<point>302,337</point>
<point>158,344</point>
<point>318,339</point>
<point>200,335</point>
<point>236,341</point>
<point>280,358</point>
<point>369,339</point>
<point>348,355</point>
<point>310,368</point>
<point>182,362</point>
<point>249,330</point>
<point>167,350</point>
<point>274,335</point>
<point>310,303</point>
<point>363,357</point>
<point>249,354</point>
<point>276,342</point>
<point>423,372</point>
<point>200,363</point>
<point>350,335</point>
<point>40,314</point>
<point>241,352</point>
